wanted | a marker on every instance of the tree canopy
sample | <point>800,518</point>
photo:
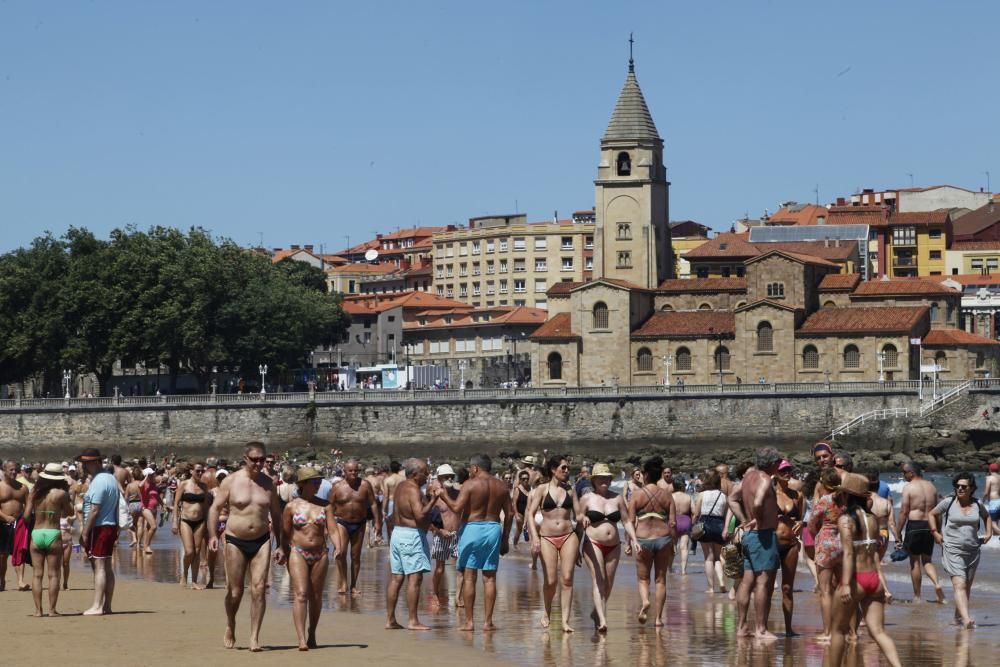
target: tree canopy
<point>157,297</point>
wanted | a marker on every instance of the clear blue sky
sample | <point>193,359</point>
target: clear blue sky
<point>310,121</point>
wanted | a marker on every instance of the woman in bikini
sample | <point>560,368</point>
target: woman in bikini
<point>149,493</point>
<point>710,508</point>
<point>191,503</point>
<point>860,583</point>
<point>791,506</point>
<point>823,524</point>
<point>682,501</point>
<point>49,502</point>
<point>555,540</point>
<point>601,544</point>
<point>133,501</point>
<point>211,557</point>
<point>655,522</point>
<point>520,502</point>
<point>305,525</point>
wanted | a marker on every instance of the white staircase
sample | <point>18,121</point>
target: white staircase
<point>887,413</point>
<point>944,399</point>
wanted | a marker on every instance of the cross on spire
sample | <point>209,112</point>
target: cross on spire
<point>631,63</point>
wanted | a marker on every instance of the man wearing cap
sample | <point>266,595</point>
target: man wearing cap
<point>100,528</point>
<point>991,495</point>
<point>444,545</point>
<point>13,497</point>
<point>408,554</point>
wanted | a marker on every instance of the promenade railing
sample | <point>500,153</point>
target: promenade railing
<point>906,387</point>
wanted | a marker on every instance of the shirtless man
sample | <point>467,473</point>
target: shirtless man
<point>13,497</point>
<point>376,481</point>
<point>249,495</point>
<point>120,472</point>
<point>482,498</point>
<point>211,469</point>
<point>919,498</point>
<point>353,503</point>
<point>991,495</point>
<point>389,487</point>
<point>409,556</point>
<point>760,545</point>
<point>726,484</point>
<point>445,542</point>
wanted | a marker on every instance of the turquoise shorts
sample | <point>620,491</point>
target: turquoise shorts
<point>760,551</point>
<point>479,546</point>
<point>408,551</point>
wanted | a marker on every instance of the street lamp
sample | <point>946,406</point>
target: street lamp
<point>461,368</point>
<point>881,366</point>
<point>668,361</point>
<point>67,379</point>
<point>215,382</point>
<point>262,369</point>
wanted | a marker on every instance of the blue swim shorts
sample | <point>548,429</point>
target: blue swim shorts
<point>760,551</point>
<point>993,507</point>
<point>479,546</point>
<point>408,551</point>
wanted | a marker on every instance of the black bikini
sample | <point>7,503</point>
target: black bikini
<point>550,504</point>
<point>599,517</point>
<point>194,498</point>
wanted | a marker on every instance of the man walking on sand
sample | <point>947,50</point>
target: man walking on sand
<point>760,545</point>
<point>919,498</point>
<point>249,495</point>
<point>353,502</point>
<point>100,529</point>
<point>409,556</point>
<point>991,495</point>
<point>13,498</point>
<point>482,498</point>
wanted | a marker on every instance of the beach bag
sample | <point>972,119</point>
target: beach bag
<point>124,517</point>
<point>732,557</point>
<point>697,531</point>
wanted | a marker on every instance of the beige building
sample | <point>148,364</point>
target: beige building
<point>506,261</point>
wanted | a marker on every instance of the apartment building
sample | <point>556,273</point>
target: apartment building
<point>507,261</point>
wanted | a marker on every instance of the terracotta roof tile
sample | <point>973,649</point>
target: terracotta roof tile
<point>956,337</point>
<point>376,303</point>
<point>976,221</point>
<point>681,285</point>
<point>558,328</point>
<point>888,319</point>
<point>805,259</point>
<point>839,281</point>
<point>900,287</point>
<point>502,316</point>
<point>975,245</point>
<point>919,218</point>
<point>364,267</point>
<point>724,245</point>
<point>832,252</point>
<point>736,246</point>
<point>798,214</point>
<point>967,279</point>
<point>562,289</point>
<point>857,215</point>
<point>413,232</point>
<point>687,324</point>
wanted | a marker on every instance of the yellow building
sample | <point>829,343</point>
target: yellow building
<point>506,261</point>
<point>914,244</point>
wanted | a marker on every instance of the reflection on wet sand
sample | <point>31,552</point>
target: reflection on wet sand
<point>700,629</point>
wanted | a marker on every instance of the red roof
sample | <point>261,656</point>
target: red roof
<point>736,246</point>
<point>956,337</point>
<point>919,218</point>
<point>857,215</point>
<point>975,245</point>
<point>502,316</point>
<point>888,319</point>
<point>976,221</point>
<point>687,324</point>
<point>562,289</point>
<point>413,232</point>
<point>364,267</point>
<point>556,329</point>
<point>376,303</point>
<point>901,287</point>
<point>805,259</point>
<point>692,285</point>
<point>798,214</point>
<point>839,281</point>
<point>966,279</point>
<point>724,245</point>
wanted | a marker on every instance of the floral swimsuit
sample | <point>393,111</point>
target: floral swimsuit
<point>829,551</point>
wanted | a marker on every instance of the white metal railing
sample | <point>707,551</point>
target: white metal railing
<point>887,413</point>
<point>944,399</point>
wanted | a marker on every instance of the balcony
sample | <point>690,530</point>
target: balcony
<point>904,261</point>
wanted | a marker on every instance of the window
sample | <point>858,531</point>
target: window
<point>519,266</point>
<point>491,246</point>
<point>852,358</point>
<point>450,272</point>
<point>519,243</point>
<point>980,359</point>
<point>588,264</point>
<point>588,242</point>
<point>490,288</point>
<point>463,269</point>
<point>829,304</point>
<point>624,164</point>
<point>810,357</point>
<point>666,307</point>
<point>567,243</point>
<point>540,285</point>
<point>624,259</point>
<point>449,251</point>
<point>503,245</point>
<point>935,254</point>
<point>905,235</point>
<point>705,306</point>
<point>475,289</point>
<point>701,271</point>
<point>644,359</point>
<point>934,234</point>
<point>540,265</point>
<point>683,358</point>
<point>475,269</point>
<point>490,268</point>
<point>520,302</point>
<point>567,263</point>
<point>624,230</point>
<point>890,357</point>
<point>417,348</point>
<point>440,290</point>
<point>776,290</point>
<point>600,315</point>
<point>350,286</point>
<point>519,286</point>
<point>503,266</point>
<point>941,359</point>
<point>722,358</point>
<point>935,311</point>
<point>463,250</point>
<point>555,366</point>
<point>463,290</point>
<point>765,337</point>
<point>475,247</point>
<point>503,286</point>
<point>440,271</point>
<point>540,243</point>
<point>367,338</point>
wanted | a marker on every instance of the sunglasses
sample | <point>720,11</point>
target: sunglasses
<point>563,467</point>
<point>962,486</point>
<point>254,459</point>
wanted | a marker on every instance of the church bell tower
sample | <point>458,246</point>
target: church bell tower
<point>632,236</point>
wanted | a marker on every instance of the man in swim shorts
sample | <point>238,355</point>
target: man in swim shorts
<point>919,498</point>
<point>991,495</point>
<point>13,498</point>
<point>100,529</point>
<point>409,556</point>
<point>249,495</point>
<point>353,503</point>
<point>482,498</point>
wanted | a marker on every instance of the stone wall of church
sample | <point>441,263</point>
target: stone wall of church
<point>605,350</point>
<point>710,301</point>
<point>752,358</point>
<point>832,358</point>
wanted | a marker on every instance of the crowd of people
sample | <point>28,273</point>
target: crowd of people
<point>752,522</point>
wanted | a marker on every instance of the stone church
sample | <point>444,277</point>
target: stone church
<point>787,316</point>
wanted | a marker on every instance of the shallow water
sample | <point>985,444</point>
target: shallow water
<point>700,629</point>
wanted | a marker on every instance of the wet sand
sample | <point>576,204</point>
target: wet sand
<point>172,623</point>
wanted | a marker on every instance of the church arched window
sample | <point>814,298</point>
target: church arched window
<point>624,163</point>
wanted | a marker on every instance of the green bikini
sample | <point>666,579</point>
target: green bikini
<point>45,537</point>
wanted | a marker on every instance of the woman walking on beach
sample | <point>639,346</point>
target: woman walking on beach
<point>149,493</point>
<point>710,511</point>
<point>823,524</point>
<point>791,507</point>
<point>955,526</point>
<point>601,545</point>
<point>555,539</point>
<point>860,583</point>
<point>655,522</point>
<point>191,503</point>
<point>520,501</point>
<point>682,501</point>
<point>133,502</point>
<point>305,527</point>
<point>49,502</point>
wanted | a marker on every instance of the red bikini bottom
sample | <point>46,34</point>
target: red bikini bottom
<point>557,540</point>
<point>868,581</point>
